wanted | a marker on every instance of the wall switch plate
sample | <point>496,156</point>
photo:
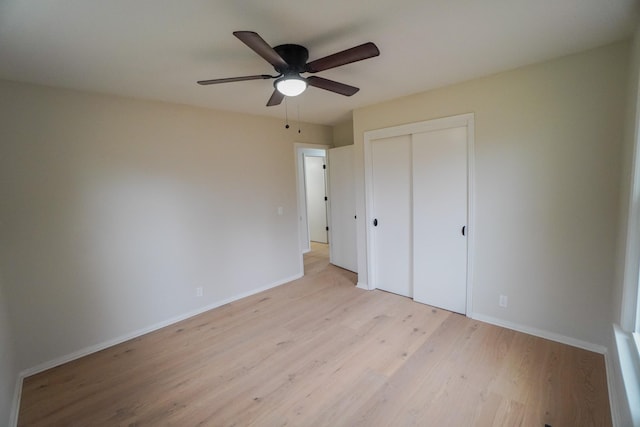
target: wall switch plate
<point>503,301</point>
<point>199,291</point>
<point>280,210</point>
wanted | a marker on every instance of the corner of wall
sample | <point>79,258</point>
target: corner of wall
<point>15,405</point>
<point>343,133</point>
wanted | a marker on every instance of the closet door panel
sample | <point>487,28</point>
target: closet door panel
<point>439,178</point>
<point>391,166</point>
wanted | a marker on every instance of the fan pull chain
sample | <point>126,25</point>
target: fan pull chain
<point>298,117</point>
<point>286,114</point>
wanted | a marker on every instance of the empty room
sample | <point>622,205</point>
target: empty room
<point>362,213</point>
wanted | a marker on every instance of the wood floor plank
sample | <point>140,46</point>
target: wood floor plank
<point>318,351</point>
<point>385,407</point>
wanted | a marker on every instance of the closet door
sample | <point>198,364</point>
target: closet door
<point>391,215</point>
<point>440,218</point>
<point>342,209</point>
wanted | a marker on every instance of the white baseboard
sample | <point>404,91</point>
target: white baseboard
<point>541,333</point>
<point>101,346</point>
<point>361,285</point>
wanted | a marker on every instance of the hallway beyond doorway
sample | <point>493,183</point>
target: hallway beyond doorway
<point>317,258</point>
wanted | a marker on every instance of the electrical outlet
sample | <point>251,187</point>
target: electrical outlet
<point>503,301</point>
<point>199,291</point>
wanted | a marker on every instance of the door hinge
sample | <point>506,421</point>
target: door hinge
<point>327,228</point>
<point>325,198</point>
<point>324,166</point>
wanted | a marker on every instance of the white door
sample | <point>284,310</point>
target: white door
<point>440,218</point>
<point>391,227</point>
<point>342,208</point>
<point>316,198</point>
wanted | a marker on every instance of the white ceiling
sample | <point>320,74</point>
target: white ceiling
<point>158,49</point>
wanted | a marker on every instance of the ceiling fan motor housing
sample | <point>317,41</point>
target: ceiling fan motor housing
<point>294,55</point>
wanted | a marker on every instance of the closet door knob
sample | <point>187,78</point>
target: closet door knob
<point>375,222</point>
<point>464,228</point>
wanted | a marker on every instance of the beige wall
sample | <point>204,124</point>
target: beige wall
<point>343,134</point>
<point>114,210</point>
<point>548,145</point>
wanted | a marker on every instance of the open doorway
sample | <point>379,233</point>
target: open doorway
<point>315,180</point>
<point>313,225</point>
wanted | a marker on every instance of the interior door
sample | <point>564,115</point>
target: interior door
<point>391,185</point>
<point>316,198</point>
<point>342,208</point>
<point>440,218</point>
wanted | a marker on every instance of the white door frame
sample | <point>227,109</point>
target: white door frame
<point>299,150</point>
<point>461,120</point>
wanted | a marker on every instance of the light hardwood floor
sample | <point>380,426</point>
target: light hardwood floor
<point>320,352</point>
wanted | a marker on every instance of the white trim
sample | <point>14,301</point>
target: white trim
<point>118,340</point>
<point>463,120</point>
<point>327,189</point>
<point>627,362</point>
<point>630,309</point>
<point>15,408</point>
<point>613,394</point>
<point>368,209</point>
<point>471,206</point>
<point>563,339</point>
<point>364,286</point>
<point>420,127</point>
<point>299,149</point>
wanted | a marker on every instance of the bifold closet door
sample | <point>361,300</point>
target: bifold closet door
<point>391,186</point>
<point>440,218</point>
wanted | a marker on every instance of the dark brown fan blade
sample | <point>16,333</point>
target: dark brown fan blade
<point>235,79</point>
<point>259,46</point>
<point>332,86</point>
<point>276,98</point>
<point>358,53</point>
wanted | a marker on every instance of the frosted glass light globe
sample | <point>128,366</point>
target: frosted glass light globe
<point>291,86</point>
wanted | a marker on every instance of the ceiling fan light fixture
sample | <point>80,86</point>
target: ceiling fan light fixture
<point>290,60</point>
<point>291,85</point>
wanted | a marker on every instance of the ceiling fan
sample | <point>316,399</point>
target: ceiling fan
<point>290,60</point>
